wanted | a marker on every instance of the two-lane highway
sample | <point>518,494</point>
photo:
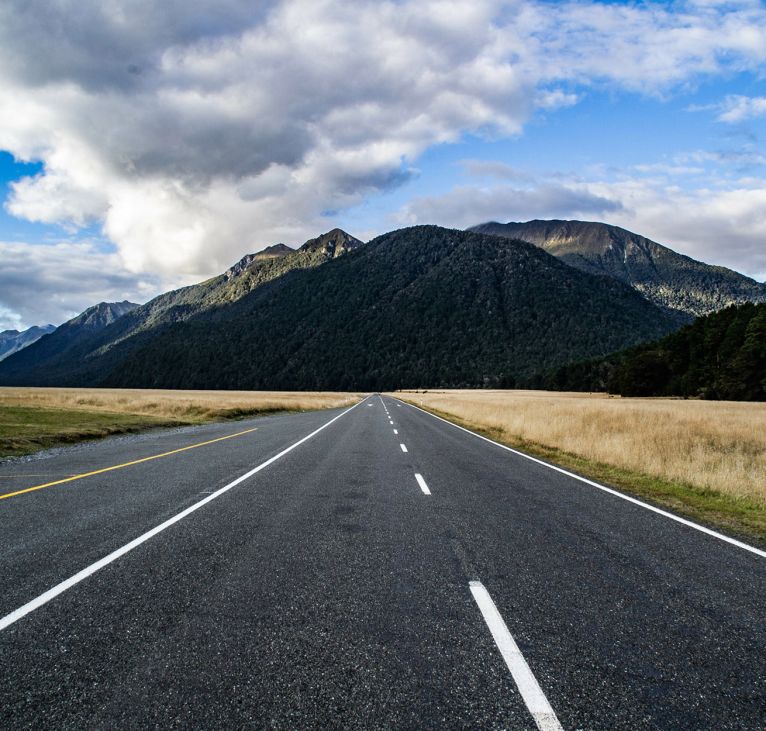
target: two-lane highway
<point>373,567</point>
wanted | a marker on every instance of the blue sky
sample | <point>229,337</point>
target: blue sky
<point>151,149</point>
<point>12,227</point>
<point>606,131</point>
<point>20,229</point>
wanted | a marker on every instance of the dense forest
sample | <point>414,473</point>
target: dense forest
<point>718,356</point>
<point>80,350</point>
<point>424,306</point>
<point>419,307</point>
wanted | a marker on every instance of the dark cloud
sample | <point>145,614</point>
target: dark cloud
<point>104,45</point>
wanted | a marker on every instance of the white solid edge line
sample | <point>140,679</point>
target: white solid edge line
<point>622,496</point>
<point>530,690</point>
<point>44,598</point>
<point>404,449</point>
<point>422,484</point>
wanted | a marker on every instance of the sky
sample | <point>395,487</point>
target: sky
<point>145,145</point>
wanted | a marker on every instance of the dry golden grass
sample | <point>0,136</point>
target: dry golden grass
<point>711,445</point>
<point>190,406</point>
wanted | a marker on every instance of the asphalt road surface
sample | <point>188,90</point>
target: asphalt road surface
<point>369,568</point>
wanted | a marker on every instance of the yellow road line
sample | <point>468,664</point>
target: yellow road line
<point>124,464</point>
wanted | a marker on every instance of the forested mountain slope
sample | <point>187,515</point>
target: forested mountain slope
<point>423,306</point>
<point>81,359</point>
<point>719,356</point>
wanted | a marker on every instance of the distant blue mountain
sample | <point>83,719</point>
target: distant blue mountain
<point>59,341</point>
<point>12,341</point>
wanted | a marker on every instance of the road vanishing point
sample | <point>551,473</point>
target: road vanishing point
<point>372,567</point>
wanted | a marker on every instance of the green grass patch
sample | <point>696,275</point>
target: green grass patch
<point>743,517</point>
<point>26,429</point>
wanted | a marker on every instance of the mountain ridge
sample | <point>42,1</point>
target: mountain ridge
<point>418,306</point>
<point>64,341</point>
<point>669,279</point>
<point>12,341</point>
<point>170,308</point>
<point>431,306</point>
<point>261,304</point>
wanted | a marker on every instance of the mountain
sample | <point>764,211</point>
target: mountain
<point>249,273</point>
<point>94,319</point>
<point>270,252</point>
<point>11,341</point>
<point>668,279</point>
<point>423,306</point>
<point>63,342</point>
<point>83,361</point>
<point>718,356</point>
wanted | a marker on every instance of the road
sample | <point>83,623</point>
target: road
<point>374,568</point>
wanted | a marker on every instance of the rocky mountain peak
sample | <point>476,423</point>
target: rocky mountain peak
<point>101,315</point>
<point>11,341</point>
<point>270,252</point>
<point>332,244</point>
<point>274,252</point>
<point>240,266</point>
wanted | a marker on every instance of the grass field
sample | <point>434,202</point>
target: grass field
<point>706,459</point>
<point>38,418</point>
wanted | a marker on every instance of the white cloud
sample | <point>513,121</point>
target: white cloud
<point>646,47</point>
<point>737,108</point>
<point>43,284</point>
<point>195,131</point>
<point>555,99</point>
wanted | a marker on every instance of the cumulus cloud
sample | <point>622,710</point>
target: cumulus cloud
<point>51,283</point>
<point>737,108</point>
<point>196,130</point>
<point>193,131</point>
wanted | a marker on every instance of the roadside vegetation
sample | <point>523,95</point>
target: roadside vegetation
<point>719,356</point>
<point>38,418</point>
<point>703,459</point>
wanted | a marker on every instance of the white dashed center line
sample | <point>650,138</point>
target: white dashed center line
<point>396,431</point>
<point>422,484</point>
<point>530,690</point>
<point>404,449</point>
